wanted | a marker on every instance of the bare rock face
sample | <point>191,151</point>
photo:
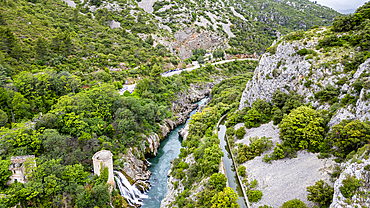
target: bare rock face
<point>270,75</point>
<point>359,171</point>
<point>189,39</point>
<point>185,103</point>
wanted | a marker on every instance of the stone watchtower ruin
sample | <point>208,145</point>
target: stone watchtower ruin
<point>18,168</point>
<point>101,159</point>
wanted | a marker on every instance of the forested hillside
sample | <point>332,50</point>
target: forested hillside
<point>59,101</point>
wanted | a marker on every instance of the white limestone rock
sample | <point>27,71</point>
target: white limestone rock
<point>357,170</point>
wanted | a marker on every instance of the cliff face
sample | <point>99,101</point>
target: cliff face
<point>288,71</point>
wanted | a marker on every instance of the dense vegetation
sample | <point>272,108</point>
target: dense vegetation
<point>59,101</point>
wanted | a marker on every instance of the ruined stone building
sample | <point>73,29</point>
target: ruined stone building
<point>18,168</point>
<point>103,159</point>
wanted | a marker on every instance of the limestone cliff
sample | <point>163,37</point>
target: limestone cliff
<point>286,70</point>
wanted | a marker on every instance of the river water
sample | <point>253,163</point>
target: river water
<point>161,164</point>
<point>230,169</point>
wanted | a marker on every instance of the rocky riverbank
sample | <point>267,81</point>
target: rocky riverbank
<point>133,163</point>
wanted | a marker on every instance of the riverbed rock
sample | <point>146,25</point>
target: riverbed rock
<point>184,132</point>
<point>134,168</point>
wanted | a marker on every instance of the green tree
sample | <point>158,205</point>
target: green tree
<point>240,132</point>
<point>41,47</point>
<point>4,172</point>
<point>155,74</point>
<point>302,129</point>
<point>218,181</point>
<point>75,173</point>
<point>225,199</point>
<point>110,131</point>
<point>321,193</point>
<point>49,121</point>
<point>241,170</point>
<point>253,118</point>
<point>21,108</point>
<point>72,124</point>
<point>348,136</point>
<point>200,59</point>
<point>294,203</point>
<point>3,118</point>
<point>54,144</point>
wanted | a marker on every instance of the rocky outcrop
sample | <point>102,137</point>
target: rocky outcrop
<point>188,39</point>
<point>286,70</point>
<point>153,144</point>
<point>358,170</point>
<point>184,132</point>
<point>135,169</point>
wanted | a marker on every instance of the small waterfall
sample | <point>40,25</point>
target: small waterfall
<point>130,192</point>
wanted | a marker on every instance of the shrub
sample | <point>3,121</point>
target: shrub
<point>327,94</point>
<point>230,132</point>
<point>302,52</point>
<point>253,118</point>
<point>321,193</point>
<point>295,35</point>
<point>254,195</point>
<point>218,181</point>
<point>350,186</point>
<point>240,133</point>
<point>264,108</point>
<point>329,41</point>
<point>256,147</point>
<point>348,136</point>
<point>302,129</point>
<point>3,118</point>
<point>280,152</point>
<point>351,64</point>
<point>294,203</point>
<point>272,49</point>
<point>227,198</point>
<point>241,170</point>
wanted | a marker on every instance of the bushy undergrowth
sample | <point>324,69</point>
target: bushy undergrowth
<point>255,148</point>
